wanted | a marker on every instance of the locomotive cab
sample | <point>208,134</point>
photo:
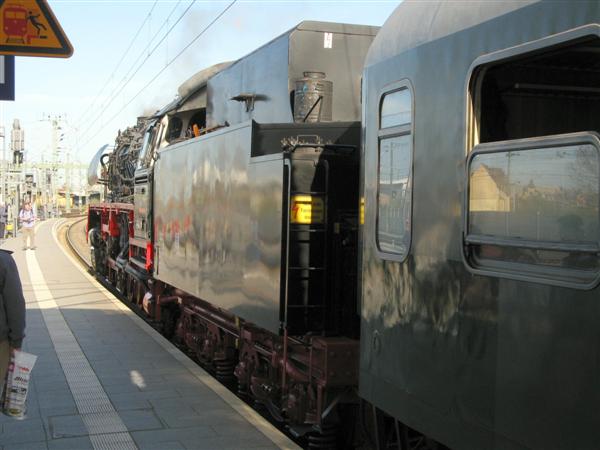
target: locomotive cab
<point>183,118</point>
<point>143,180</point>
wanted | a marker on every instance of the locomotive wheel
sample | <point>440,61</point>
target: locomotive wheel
<point>93,257</point>
<point>413,440</point>
<point>121,283</point>
<point>324,439</point>
<point>98,261</point>
<point>224,370</point>
<point>169,318</point>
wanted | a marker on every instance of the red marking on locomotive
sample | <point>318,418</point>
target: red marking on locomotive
<point>295,210</point>
<point>149,256</point>
<point>175,227</point>
<point>187,223</point>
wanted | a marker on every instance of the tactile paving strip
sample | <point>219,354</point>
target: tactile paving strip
<point>115,441</point>
<point>106,429</point>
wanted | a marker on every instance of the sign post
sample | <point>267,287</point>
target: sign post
<point>7,77</point>
<point>29,28</point>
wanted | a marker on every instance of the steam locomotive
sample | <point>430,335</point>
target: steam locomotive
<point>433,280</point>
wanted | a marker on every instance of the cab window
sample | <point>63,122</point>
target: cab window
<point>146,144</point>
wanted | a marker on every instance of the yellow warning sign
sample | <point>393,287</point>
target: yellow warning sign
<point>29,28</point>
<point>361,213</point>
<point>307,209</point>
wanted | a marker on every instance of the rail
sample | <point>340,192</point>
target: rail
<point>84,259</point>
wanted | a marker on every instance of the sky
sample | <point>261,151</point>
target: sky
<point>121,46</point>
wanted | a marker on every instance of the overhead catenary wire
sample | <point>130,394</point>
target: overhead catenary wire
<point>127,78</point>
<point>163,69</point>
<point>108,80</point>
<point>118,89</point>
<point>150,53</point>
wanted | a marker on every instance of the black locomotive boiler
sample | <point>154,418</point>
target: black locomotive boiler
<point>426,280</point>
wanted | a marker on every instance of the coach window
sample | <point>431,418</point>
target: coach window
<point>533,209</point>
<point>395,169</point>
<point>527,92</point>
<point>532,204</point>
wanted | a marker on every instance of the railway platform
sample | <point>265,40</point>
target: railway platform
<point>104,379</point>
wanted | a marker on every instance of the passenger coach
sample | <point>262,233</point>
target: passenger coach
<point>480,240</point>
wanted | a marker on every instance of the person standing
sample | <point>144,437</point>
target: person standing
<point>27,218</point>
<point>3,216</point>
<point>12,311</point>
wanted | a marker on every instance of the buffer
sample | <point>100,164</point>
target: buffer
<point>29,28</point>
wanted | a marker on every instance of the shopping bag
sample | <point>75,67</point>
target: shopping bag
<point>17,384</point>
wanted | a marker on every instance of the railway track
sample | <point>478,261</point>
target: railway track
<point>72,233</point>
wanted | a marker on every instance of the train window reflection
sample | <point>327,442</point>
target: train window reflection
<point>396,109</point>
<point>393,220</point>
<point>546,194</point>
<point>548,258</point>
<point>533,209</point>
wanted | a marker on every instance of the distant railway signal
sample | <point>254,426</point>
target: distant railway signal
<point>29,28</point>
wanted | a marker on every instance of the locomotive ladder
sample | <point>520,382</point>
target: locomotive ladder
<point>303,234</point>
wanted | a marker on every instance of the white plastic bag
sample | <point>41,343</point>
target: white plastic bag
<point>17,384</point>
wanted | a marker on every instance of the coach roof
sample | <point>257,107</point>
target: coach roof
<point>415,22</point>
